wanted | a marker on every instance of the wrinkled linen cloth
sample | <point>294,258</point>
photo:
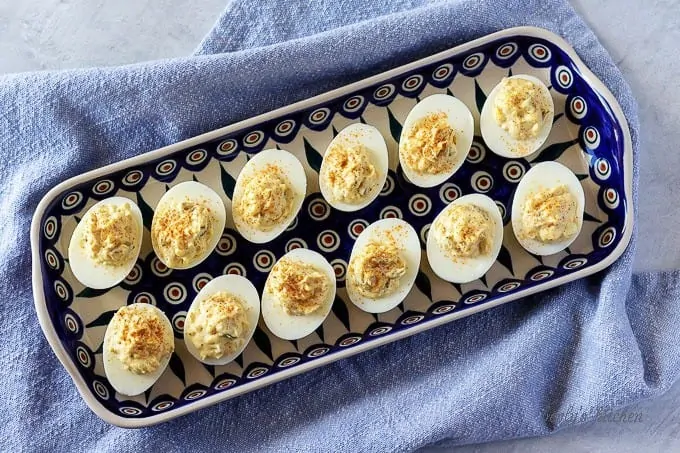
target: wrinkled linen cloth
<point>593,345</point>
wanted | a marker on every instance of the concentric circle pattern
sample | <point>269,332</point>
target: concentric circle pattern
<point>80,314</point>
<point>443,309</point>
<point>606,237</point>
<point>391,212</point>
<point>144,297</point>
<point>442,73</point>
<point>539,53</point>
<point>420,205</point>
<point>235,269</point>
<point>224,384</point>
<point>578,107</point>
<point>611,198</point>
<point>575,263</point>
<point>226,245</point>
<point>133,179</point>
<point>603,169</point>
<point>200,280</point>
<point>424,232</point>
<point>413,319</point>
<point>477,153</point>
<point>227,148</point>
<point>317,351</point>
<point>412,85</point>
<point>288,362</point>
<point>319,116</point>
<point>103,188</point>
<point>158,268</point>
<point>257,372</point>
<point>384,93</point>
<point>340,268</point>
<point>175,293</point>
<point>134,276</point>
<point>474,298</point>
<point>178,321</point>
<point>356,227</point>
<point>161,406</point>
<point>264,260</point>
<point>319,209</point>
<point>328,241</point>
<point>382,330</point>
<point>388,187</point>
<point>481,182</point>
<point>513,171</point>
<point>563,77</point>
<point>130,411</point>
<point>353,104</point>
<point>72,324</point>
<point>591,137</point>
<point>506,51</point>
<point>474,62</point>
<point>72,201</point>
<point>197,158</point>
<point>253,139</point>
<point>541,275</point>
<point>100,390</point>
<point>285,128</point>
<point>349,340</point>
<point>50,228</point>
<point>195,394</point>
<point>166,168</point>
<point>52,260</point>
<point>509,286</point>
<point>449,192</point>
<point>295,243</point>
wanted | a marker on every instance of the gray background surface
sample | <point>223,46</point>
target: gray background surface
<point>642,37</point>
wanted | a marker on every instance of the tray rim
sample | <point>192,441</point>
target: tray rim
<point>102,412</point>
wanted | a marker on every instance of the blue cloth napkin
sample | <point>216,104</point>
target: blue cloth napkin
<point>587,347</point>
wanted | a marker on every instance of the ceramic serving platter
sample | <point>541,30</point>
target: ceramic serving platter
<point>590,136</point>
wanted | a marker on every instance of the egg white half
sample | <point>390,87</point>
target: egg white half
<point>546,175</point>
<point>293,327</point>
<point>376,148</point>
<point>124,381</point>
<point>407,240</point>
<point>460,120</point>
<point>500,141</point>
<point>196,192</point>
<point>292,168</point>
<point>239,287</point>
<point>464,270</point>
<point>99,276</point>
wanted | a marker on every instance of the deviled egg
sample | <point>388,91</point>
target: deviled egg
<point>138,344</point>
<point>106,242</point>
<point>517,116</point>
<point>187,225</point>
<point>435,139</point>
<point>547,209</point>
<point>465,238</point>
<point>268,195</point>
<point>222,319</point>
<point>383,265</point>
<point>354,168</point>
<point>298,295</point>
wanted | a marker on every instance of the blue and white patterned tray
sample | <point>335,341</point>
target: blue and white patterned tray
<point>590,135</point>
